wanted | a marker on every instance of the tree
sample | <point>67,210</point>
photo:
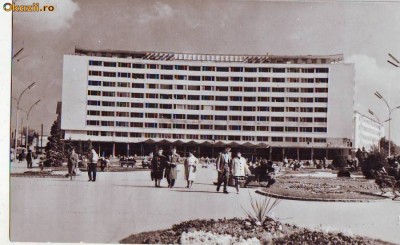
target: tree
<point>55,146</point>
<point>384,144</point>
<point>375,161</point>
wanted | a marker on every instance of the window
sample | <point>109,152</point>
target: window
<point>262,119</point>
<point>180,67</point>
<point>193,107</point>
<point>220,127</point>
<point>223,69</point>
<point>319,140</point>
<point>167,77</point>
<point>321,109</point>
<point>235,108</point>
<point>94,93</point>
<point>137,105</point>
<point>249,108</point>
<point>264,79</point>
<point>180,77</point>
<point>278,70</point>
<point>221,108</point>
<point>262,128</point>
<point>139,66</point>
<point>278,90</point>
<point>321,100</point>
<point>107,113</point>
<point>137,76</point>
<point>320,129</point>
<point>222,88</point>
<point>220,118</point>
<point>124,74</point>
<point>123,94</point>
<point>250,69</point>
<point>306,109</point>
<point>249,118</point>
<point>107,123</point>
<point>121,134</point>
<point>277,139</point>
<point>179,126</point>
<point>250,79</point>
<point>94,83</point>
<point>306,129</point>
<point>179,116</point>
<point>152,96</point>
<point>165,106</point>
<point>277,109</point>
<point>235,118</point>
<point>135,135</point>
<point>292,109</point>
<point>93,133</point>
<point>152,86</point>
<point>237,79</point>
<point>278,80</point>
<point>149,66</point>
<point>207,117</point>
<point>110,64</point>
<point>250,89</point>
<point>321,80</point>
<point>137,95</point>
<point>236,69</point>
<point>237,89</point>
<point>306,100</point>
<point>194,78</point>
<point>206,137</point>
<point>264,69</point>
<point>152,105</point>
<point>165,125</point>
<point>208,68</point>
<point>121,124</point>
<point>93,102</point>
<point>137,85</point>
<point>262,138</point>
<point>235,127</point>
<point>321,70</point>
<point>293,70</point>
<point>207,97</point>
<point>193,97</point>
<point>192,126</point>
<point>290,139</point>
<point>194,68</point>
<point>167,67</point>
<point>92,123</point>
<point>122,104</point>
<point>123,85</point>
<point>95,63</point>
<point>193,87</point>
<point>292,90</point>
<point>263,108</point>
<point>277,119</point>
<point>221,98</point>
<point>291,129</point>
<point>292,119</point>
<point>236,98</point>
<point>93,113</point>
<point>321,90</point>
<point>277,99</point>
<point>263,89</point>
<point>293,100</point>
<point>108,84</point>
<point>136,115</point>
<point>109,74</point>
<point>94,73</point>
<point>193,117</point>
<point>166,96</point>
<point>150,125</point>
<point>122,114</point>
<point>153,76</point>
<point>208,78</point>
<point>307,70</point>
<point>320,119</point>
<point>306,119</point>
<point>108,94</point>
<point>105,133</point>
<point>123,64</point>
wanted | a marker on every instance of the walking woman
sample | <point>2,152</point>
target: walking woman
<point>239,169</point>
<point>191,169</point>
<point>158,164</point>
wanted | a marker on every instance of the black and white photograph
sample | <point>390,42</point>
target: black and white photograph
<point>202,122</point>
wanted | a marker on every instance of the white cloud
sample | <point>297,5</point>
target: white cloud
<point>156,12</point>
<point>54,20</point>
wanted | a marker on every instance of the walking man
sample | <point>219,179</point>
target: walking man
<point>72,163</point>
<point>173,161</point>
<point>29,159</point>
<point>224,161</point>
<point>92,165</point>
<point>158,164</point>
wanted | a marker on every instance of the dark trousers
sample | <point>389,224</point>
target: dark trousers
<point>92,171</point>
<point>172,182</point>
<point>29,163</point>
<point>222,178</point>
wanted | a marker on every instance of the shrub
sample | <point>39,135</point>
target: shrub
<point>344,173</point>
<point>260,208</point>
<point>372,163</point>
<point>339,162</point>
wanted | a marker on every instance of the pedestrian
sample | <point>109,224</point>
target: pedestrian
<point>92,165</point>
<point>223,167</point>
<point>21,156</point>
<point>72,163</point>
<point>158,165</point>
<point>191,169</point>
<point>238,169</point>
<point>173,161</point>
<point>29,159</point>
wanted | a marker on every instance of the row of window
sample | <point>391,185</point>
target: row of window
<point>207,137</point>
<point>207,68</point>
<point>206,78</point>
<point>206,117</point>
<point>208,97</point>
<point>205,126</point>
<point>207,88</point>
<point>206,107</point>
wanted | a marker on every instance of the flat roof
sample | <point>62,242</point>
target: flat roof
<point>169,56</point>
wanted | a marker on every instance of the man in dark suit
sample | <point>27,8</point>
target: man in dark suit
<point>224,161</point>
<point>158,164</point>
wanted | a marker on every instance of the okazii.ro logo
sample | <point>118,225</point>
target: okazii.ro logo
<point>34,7</point>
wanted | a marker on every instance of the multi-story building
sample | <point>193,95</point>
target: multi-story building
<point>298,106</point>
<point>367,132</point>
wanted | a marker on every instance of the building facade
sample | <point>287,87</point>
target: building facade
<point>367,131</point>
<point>293,105</point>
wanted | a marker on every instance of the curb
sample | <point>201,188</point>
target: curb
<point>316,199</point>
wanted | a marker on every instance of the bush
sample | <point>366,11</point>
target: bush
<point>344,173</point>
<point>372,163</point>
<point>339,162</point>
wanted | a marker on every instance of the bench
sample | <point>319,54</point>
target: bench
<point>127,163</point>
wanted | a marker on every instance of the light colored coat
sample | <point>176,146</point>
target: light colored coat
<point>239,167</point>
<point>191,168</point>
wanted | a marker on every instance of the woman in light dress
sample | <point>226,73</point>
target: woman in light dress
<point>191,169</point>
<point>239,169</point>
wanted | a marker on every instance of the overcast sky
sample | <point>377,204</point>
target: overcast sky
<point>363,31</point>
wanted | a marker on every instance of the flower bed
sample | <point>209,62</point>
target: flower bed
<point>242,231</point>
<point>328,188</point>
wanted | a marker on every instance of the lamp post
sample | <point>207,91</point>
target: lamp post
<point>380,124</point>
<point>27,124</point>
<point>16,124</point>
<point>390,110</point>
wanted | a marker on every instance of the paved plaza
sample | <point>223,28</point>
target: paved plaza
<point>120,204</point>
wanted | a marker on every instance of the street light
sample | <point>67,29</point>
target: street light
<point>27,124</point>
<point>390,110</point>
<point>16,126</point>
<point>380,124</point>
